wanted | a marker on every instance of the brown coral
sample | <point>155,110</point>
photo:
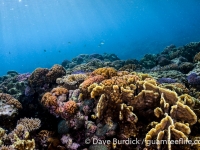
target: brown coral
<point>183,113</point>
<point>10,100</point>
<point>196,58</point>
<point>46,139</point>
<point>84,86</point>
<point>55,72</point>
<point>105,72</point>
<point>30,124</point>
<point>38,77</point>
<point>170,129</point>
<point>49,100</point>
<point>70,107</point>
<point>24,144</point>
<point>59,91</point>
<point>179,88</point>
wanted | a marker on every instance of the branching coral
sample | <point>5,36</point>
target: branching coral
<point>19,139</point>
<point>23,144</point>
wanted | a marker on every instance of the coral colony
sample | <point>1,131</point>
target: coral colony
<point>99,102</point>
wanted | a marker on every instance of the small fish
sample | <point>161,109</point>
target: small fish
<point>85,45</point>
<point>59,51</point>
<point>69,42</point>
<point>9,53</point>
<point>44,50</point>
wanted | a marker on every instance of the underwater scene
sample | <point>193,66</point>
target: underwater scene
<point>99,75</point>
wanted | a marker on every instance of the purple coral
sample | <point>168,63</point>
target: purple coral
<point>166,80</point>
<point>193,79</point>
<point>67,141</point>
<point>23,77</point>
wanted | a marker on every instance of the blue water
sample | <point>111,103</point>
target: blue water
<point>66,28</point>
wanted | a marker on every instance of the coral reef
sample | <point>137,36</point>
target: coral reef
<point>99,102</point>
